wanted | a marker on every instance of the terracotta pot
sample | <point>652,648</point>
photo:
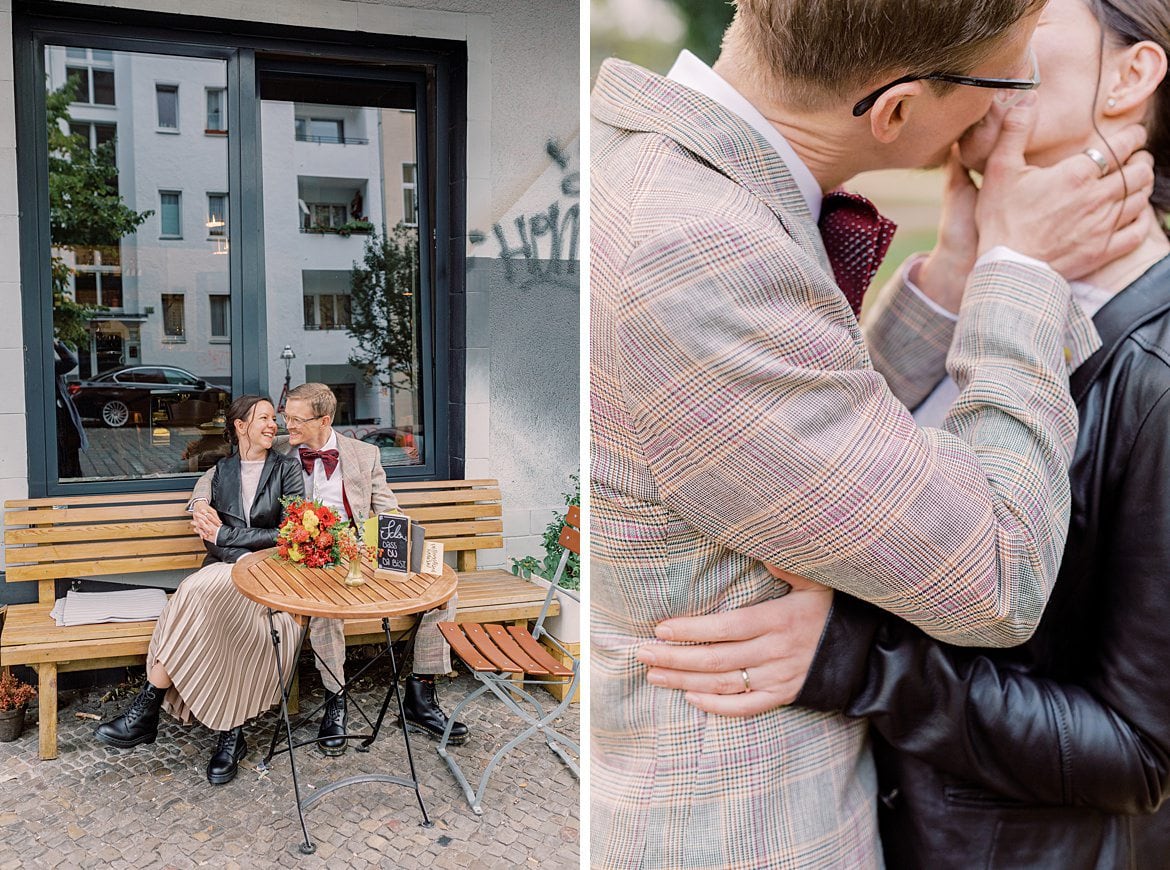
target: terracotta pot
<point>11,723</point>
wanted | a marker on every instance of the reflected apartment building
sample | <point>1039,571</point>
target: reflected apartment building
<point>334,178</point>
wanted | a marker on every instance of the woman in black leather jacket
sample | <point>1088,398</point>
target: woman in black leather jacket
<point>210,656</point>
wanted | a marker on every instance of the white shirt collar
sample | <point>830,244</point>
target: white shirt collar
<point>688,70</point>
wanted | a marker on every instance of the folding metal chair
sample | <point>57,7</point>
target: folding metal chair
<point>494,653</point>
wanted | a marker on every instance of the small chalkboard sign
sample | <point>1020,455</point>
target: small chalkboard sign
<point>393,544</point>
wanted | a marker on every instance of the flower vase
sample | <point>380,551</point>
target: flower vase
<point>11,723</point>
<point>355,577</point>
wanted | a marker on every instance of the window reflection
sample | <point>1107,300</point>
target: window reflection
<point>141,301</point>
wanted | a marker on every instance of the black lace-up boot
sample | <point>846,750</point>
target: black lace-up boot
<point>423,712</point>
<point>224,764</point>
<point>333,721</point>
<point>139,724</point>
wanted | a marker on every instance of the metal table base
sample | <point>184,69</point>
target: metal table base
<point>307,847</point>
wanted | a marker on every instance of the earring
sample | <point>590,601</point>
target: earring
<point>1111,103</point>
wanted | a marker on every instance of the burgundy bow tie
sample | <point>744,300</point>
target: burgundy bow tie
<point>856,239</point>
<point>328,461</point>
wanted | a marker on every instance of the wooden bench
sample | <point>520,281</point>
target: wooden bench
<point>111,536</point>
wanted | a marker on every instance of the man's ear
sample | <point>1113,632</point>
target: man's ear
<point>892,109</point>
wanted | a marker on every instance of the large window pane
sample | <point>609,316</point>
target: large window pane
<point>351,252</point>
<point>146,305</point>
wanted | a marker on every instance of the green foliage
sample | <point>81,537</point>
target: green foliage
<point>705,22</point>
<point>85,208</point>
<point>383,290</point>
<point>571,579</point>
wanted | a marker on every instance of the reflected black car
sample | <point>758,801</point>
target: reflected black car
<point>143,395</point>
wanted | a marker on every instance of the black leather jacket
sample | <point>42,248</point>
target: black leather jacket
<point>1042,756</point>
<point>281,476</point>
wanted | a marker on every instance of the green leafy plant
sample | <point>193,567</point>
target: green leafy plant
<point>361,227</point>
<point>529,565</point>
<point>13,693</point>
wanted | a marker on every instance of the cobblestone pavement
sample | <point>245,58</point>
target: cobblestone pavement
<point>151,806</point>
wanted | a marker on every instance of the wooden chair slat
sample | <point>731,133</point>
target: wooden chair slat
<point>463,648</point>
<point>529,644</point>
<point>478,636</point>
<point>512,649</point>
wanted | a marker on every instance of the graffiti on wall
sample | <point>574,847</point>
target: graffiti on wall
<point>539,236</point>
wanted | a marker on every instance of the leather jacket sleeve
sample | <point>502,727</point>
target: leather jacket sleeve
<point>241,538</point>
<point>1101,742</point>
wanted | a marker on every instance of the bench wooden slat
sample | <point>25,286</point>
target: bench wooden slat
<point>529,645</point>
<point>99,532</point>
<point>105,567</point>
<point>413,499</point>
<point>54,516</point>
<point>477,510</point>
<point>118,498</point>
<point>414,485</point>
<point>67,552</point>
<point>463,648</point>
<point>443,531</point>
<point>479,542</point>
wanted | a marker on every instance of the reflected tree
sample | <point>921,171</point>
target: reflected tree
<point>85,208</point>
<point>383,291</point>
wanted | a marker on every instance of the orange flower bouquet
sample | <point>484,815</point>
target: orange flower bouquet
<point>311,534</point>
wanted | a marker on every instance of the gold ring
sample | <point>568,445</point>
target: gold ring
<point>747,683</point>
<point>1098,158</point>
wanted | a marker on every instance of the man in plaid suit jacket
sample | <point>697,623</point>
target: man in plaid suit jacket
<point>738,416</point>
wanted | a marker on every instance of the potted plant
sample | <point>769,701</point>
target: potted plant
<point>565,627</point>
<point>14,698</point>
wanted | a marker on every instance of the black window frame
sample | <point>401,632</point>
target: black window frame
<point>440,67</point>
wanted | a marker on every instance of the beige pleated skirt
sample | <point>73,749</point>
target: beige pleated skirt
<point>217,647</point>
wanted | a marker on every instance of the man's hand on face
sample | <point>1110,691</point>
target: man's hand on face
<point>1066,215</point>
<point>774,642</point>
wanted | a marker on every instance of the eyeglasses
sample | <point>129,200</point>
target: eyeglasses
<point>297,421</point>
<point>1028,84</point>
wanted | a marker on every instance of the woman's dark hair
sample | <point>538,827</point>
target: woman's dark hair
<point>240,409</point>
<point>1130,22</point>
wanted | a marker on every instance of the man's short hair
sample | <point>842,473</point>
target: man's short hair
<point>809,53</point>
<point>319,397</point>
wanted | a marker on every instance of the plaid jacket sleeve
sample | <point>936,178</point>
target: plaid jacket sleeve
<point>907,340</point>
<point>766,428</point>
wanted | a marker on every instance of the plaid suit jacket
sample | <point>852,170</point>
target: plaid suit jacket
<point>737,418</point>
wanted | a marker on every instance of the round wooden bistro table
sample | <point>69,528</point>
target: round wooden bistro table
<point>306,592</point>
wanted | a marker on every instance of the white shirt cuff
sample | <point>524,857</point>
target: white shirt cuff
<point>1003,252</point>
